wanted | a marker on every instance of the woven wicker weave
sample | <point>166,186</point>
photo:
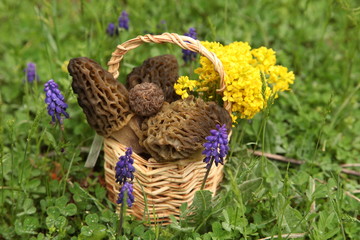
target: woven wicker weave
<point>161,188</point>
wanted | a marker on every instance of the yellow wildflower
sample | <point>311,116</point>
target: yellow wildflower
<point>252,76</point>
<point>64,66</point>
<point>183,85</point>
<point>280,78</point>
<point>264,58</point>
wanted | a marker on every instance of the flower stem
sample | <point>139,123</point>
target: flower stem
<point>122,213</point>
<point>207,173</point>
<point>67,173</point>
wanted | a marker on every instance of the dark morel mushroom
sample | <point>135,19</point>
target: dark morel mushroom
<point>178,131</point>
<point>103,99</point>
<point>162,70</point>
<point>146,99</point>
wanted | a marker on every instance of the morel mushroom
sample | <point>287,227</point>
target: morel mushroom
<point>178,131</point>
<point>162,70</point>
<point>103,99</point>
<point>104,102</point>
<point>146,99</point>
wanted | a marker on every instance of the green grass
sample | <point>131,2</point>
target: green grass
<point>318,122</point>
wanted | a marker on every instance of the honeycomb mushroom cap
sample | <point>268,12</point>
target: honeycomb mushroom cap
<point>179,129</point>
<point>103,99</point>
<point>162,70</point>
<point>146,99</point>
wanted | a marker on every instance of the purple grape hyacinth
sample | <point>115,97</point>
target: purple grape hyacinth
<point>187,54</point>
<point>30,71</point>
<point>55,101</point>
<point>112,30</point>
<point>124,171</point>
<point>124,20</point>
<point>124,167</point>
<point>217,146</point>
<point>128,188</point>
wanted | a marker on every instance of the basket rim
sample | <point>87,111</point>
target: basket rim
<point>184,42</point>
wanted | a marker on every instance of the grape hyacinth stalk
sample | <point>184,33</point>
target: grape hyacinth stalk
<point>30,72</point>
<point>188,55</point>
<point>124,174</point>
<point>112,30</point>
<point>124,20</point>
<point>55,101</point>
<point>216,148</point>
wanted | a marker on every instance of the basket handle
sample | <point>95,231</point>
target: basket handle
<point>182,41</point>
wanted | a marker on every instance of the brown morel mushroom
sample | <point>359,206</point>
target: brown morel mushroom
<point>178,131</point>
<point>104,101</point>
<point>162,70</point>
<point>146,99</point>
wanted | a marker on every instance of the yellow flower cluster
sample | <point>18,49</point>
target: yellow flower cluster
<point>183,85</point>
<point>280,78</point>
<point>252,76</point>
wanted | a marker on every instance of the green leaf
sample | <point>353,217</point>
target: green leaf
<point>28,207</point>
<point>54,186</point>
<point>70,210</point>
<point>108,216</point>
<point>40,236</point>
<point>86,231</point>
<point>139,230</point>
<point>53,211</point>
<point>56,222</point>
<point>79,196</point>
<point>248,187</point>
<point>202,200</point>
<point>51,139</point>
<point>60,222</point>
<point>61,201</point>
<point>293,219</point>
<point>149,235</point>
<point>28,226</point>
<point>92,219</point>
<point>183,207</point>
<point>100,192</point>
<point>226,226</point>
<point>331,232</point>
<point>99,231</point>
<point>218,231</point>
<point>326,220</point>
<point>31,223</point>
<point>33,184</point>
<point>176,226</point>
<point>65,209</point>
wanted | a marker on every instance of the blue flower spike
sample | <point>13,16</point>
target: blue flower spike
<point>55,101</point>
<point>124,20</point>
<point>30,71</point>
<point>188,55</point>
<point>124,173</point>
<point>112,30</point>
<point>217,146</point>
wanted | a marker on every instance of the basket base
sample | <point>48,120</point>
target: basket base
<point>159,188</point>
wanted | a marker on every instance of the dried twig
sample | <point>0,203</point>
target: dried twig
<point>312,189</point>
<point>288,236</point>
<point>350,172</point>
<point>352,196</point>
<point>299,162</point>
<point>350,165</point>
<point>277,157</point>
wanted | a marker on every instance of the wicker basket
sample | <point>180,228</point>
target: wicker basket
<point>161,188</point>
